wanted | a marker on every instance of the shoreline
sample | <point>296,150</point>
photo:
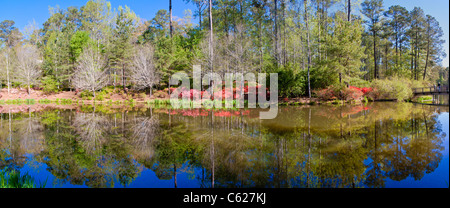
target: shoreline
<point>20,97</point>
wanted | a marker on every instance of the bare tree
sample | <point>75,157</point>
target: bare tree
<point>92,130</point>
<point>28,70</point>
<point>91,71</point>
<point>143,70</point>
<point>32,133</point>
<point>205,59</point>
<point>240,50</point>
<point>144,133</point>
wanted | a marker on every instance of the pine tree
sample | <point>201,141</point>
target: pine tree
<point>434,43</point>
<point>344,48</point>
<point>373,9</point>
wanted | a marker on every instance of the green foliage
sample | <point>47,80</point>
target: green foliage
<point>79,41</point>
<point>321,77</point>
<point>425,99</point>
<point>66,101</point>
<point>44,101</point>
<point>394,88</point>
<point>10,178</point>
<point>86,95</point>
<point>50,84</point>
<point>30,101</point>
<point>344,48</point>
<point>358,82</point>
<point>290,83</point>
<point>100,97</point>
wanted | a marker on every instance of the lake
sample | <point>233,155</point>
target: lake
<point>378,145</point>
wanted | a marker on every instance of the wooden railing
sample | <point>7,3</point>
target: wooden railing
<point>431,90</point>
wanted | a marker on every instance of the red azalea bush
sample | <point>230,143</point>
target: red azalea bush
<point>351,93</point>
<point>224,93</point>
<point>344,93</point>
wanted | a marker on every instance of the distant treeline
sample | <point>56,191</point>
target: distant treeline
<point>312,44</point>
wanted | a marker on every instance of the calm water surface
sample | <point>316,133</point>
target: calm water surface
<point>380,145</point>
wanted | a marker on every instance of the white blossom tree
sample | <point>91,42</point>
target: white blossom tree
<point>91,73</point>
<point>28,65</point>
<point>143,70</point>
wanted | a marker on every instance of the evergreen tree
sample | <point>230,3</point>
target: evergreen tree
<point>373,9</point>
<point>344,48</point>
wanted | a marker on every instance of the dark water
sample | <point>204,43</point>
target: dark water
<point>378,145</point>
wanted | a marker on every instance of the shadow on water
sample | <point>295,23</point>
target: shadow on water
<point>306,146</point>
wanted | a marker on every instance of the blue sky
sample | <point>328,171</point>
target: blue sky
<point>24,11</point>
<point>436,8</point>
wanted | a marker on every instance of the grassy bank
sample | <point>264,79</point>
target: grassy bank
<point>10,178</point>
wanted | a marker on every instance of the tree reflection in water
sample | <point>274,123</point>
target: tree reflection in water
<point>307,146</point>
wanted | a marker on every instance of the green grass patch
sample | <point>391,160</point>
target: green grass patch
<point>44,101</point>
<point>10,178</point>
<point>425,99</point>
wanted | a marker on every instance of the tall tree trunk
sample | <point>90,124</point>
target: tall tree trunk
<point>400,49</point>
<point>415,61</point>
<point>412,61</point>
<point>200,16</point>
<point>309,49</point>
<point>7,72</point>
<point>123,78</point>
<point>171,35</point>
<point>416,56</point>
<point>56,68</point>
<point>349,11</point>
<point>375,55</point>
<point>211,39</point>
<point>115,77</point>
<point>396,43</point>
<point>276,32</point>
<point>170,11</point>
<point>284,34</point>
<point>386,49</point>
<point>319,31</point>
<point>426,60</point>
<point>260,46</point>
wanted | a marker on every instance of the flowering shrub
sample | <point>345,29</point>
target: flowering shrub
<point>364,90</point>
<point>224,93</point>
<point>350,93</point>
<point>343,93</point>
